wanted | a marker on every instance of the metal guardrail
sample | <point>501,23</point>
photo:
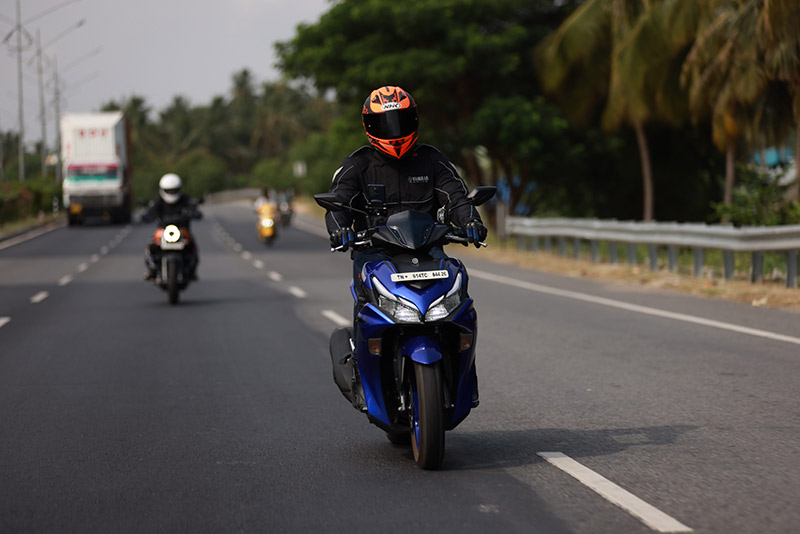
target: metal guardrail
<point>656,235</point>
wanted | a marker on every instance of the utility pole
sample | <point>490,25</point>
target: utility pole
<point>57,91</point>
<point>41,103</point>
<point>19,88</point>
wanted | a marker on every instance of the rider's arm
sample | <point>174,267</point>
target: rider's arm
<point>451,190</point>
<point>347,186</point>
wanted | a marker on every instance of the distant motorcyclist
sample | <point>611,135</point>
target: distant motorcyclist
<point>415,176</point>
<point>171,207</point>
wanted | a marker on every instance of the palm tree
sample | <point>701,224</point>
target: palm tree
<point>582,64</point>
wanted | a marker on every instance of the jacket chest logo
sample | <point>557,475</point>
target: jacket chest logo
<point>418,179</point>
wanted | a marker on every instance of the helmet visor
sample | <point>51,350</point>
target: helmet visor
<point>392,124</point>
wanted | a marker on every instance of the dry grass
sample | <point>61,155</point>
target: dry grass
<point>767,294</point>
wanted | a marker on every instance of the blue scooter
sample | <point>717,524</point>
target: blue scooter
<point>411,364</point>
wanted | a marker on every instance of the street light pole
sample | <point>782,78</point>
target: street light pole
<point>59,170</point>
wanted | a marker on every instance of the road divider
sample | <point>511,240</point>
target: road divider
<point>648,514</point>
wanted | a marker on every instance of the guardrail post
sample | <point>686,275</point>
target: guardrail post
<point>632,253</point>
<point>791,268</point>
<point>535,243</point>
<point>672,258</point>
<point>562,246</point>
<point>595,250</point>
<point>501,215</point>
<point>699,260</point>
<point>757,272</point>
<point>548,243</point>
<point>728,263</point>
<point>521,242</point>
<point>577,248</point>
<point>652,251</point>
<point>612,251</point>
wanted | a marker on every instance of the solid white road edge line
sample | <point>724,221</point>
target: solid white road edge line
<point>64,280</point>
<point>39,297</point>
<point>30,235</point>
<point>336,318</point>
<point>4,321</point>
<point>632,307</point>
<point>648,514</point>
<point>297,292</point>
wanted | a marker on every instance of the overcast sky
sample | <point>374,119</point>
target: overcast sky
<point>153,48</point>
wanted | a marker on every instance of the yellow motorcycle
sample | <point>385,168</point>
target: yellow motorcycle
<point>268,220</point>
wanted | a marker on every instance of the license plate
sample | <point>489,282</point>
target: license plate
<point>421,275</point>
<point>172,246</point>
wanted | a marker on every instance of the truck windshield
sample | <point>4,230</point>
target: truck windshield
<point>92,173</point>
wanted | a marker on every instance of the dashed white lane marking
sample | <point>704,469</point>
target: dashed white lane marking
<point>258,264</point>
<point>39,297</point>
<point>275,277</point>
<point>316,229</point>
<point>237,247</point>
<point>648,514</point>
<point>336,318</point>
<point>82,267</point>
<point>297,292</point>
<point>94,258</point>
<point>247,255</point>
<point>4,321</point>
<point>64,280</point>
<point>632,307</point>
<point>103,250</point>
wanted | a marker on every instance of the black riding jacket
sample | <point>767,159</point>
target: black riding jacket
<point>180,212</point>
<point>422,180</point>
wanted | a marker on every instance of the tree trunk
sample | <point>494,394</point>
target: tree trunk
<point>730,173</point>
<point>647,171</point>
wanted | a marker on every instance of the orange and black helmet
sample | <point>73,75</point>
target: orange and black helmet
<point>390,120</point>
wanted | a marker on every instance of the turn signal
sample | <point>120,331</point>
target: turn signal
<point>374,346</point>
<point>466,341</point>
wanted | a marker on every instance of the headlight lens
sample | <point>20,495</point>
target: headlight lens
<point>402,310</point>
<point>444,306</point>
<point>267,223</point>
<point>172,234</point>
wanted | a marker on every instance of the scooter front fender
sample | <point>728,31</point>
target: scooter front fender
<point>422,349</point>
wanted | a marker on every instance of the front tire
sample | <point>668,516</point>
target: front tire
<point>427,416</point>
<point>172,281</point>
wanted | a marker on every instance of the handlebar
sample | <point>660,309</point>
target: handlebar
<point>364,238</point>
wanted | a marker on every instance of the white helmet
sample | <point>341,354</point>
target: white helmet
<point>169,187</point>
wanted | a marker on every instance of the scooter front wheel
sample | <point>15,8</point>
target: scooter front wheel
<point>427,416</point>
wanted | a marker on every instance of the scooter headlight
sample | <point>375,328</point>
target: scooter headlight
<point>172,234</point>
<point>267,223</point>
<point>444,305</point>
<point>402,310</point>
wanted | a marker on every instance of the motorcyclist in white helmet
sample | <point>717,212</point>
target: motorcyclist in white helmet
<point>171,207</point>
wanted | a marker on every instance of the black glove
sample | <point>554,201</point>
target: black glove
<point>343,237</point>
<point>476,231</point>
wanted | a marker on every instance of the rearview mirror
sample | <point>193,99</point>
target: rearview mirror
<point>328,201</point>
<point>481,194</point>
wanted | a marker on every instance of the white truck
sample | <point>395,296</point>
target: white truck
<point>97,177</point>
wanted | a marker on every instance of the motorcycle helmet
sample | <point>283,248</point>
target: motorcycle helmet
<point>390,120</point>
<point>169,188</point>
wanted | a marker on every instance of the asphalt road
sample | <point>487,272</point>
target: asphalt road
<point>603,408</point>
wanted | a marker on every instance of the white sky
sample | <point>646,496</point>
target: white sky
<point>153,48</point>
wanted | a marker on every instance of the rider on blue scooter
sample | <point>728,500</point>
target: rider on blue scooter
<point>413,175</point>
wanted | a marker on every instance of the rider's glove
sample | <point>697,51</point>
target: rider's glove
<point>343,237</point>
<point>476,231</point>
